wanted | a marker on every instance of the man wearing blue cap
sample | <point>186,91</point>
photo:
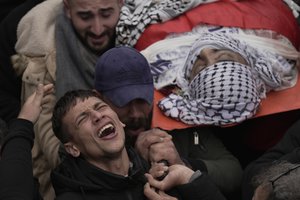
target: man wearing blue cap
<point>124,80</point>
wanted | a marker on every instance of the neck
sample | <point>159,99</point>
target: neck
<point>116,165</point>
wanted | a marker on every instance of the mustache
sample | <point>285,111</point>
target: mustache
<point>94,35</point>
<point>135,124</point>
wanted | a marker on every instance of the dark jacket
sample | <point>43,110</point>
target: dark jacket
<point>17,180</point>
<point>77,179</point>
<point>287,149</point>
<point>204,151</point>
<point>6,6</point>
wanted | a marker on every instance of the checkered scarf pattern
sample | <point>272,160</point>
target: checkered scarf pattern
<point>225,93</point>
<point>221,94</point>
<point>260,62</point>
<point>136,15</point>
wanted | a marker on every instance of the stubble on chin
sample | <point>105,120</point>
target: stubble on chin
<point>108,45</point>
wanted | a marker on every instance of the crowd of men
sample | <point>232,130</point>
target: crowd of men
<point>76,106</point>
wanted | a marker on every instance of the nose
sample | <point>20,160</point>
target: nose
<point>95,116</point>
<point>208,56</point>
<point>135,111</point>
<point>97,27</point>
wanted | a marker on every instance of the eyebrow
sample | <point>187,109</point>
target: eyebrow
<point>87,108</point>
<point>100,9</point>
<point>230,54</point>
<point>106,9</point>
<point>89,11</point>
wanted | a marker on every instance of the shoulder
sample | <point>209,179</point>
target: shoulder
<point>40,29</point>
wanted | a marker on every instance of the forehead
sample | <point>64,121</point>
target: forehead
<point>219,55</point>
<point>81,106</point>
<point>214,51</point>
<point>95,4</point>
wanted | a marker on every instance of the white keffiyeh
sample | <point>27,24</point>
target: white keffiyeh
<point>136,15</point>
<point>265,66</point>
<point>227,92</point>
<point>221,94</point>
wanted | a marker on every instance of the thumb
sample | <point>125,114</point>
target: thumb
<point>39,93</point>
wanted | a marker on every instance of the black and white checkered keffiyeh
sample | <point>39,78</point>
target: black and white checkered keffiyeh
<point>260,62</point>
<point>227,92</point>
<point>220,94</point>
<point>136,15</point>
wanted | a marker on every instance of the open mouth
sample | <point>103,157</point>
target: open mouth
<point>97,40</point>
<point>106,130</point>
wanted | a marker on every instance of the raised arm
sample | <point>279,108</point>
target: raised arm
<point>16,162</point>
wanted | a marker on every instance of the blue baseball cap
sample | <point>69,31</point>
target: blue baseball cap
<point>123,74</point>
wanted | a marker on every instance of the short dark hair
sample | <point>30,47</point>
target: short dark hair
<point>63,105</point>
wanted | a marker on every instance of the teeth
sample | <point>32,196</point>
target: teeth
<point>104,128</point>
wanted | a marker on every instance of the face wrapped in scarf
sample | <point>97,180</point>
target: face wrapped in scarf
<point>220,94</point>
<point>223,93</point>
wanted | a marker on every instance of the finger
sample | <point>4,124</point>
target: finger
<point>166,196</point>
<point>158,171</point>
<point>164,144</point>
<point>37,97</point>
<point>47,98</point>
<point>147,185</point>
<point>39,93</point>
<point>162,193</point>
<point>152,136</point>
<point>152,139</point>
<point>150,192</point>
<point>149,177</point>
<point>49,88</point>
<point>158,136</point>
<point>162,151</point>
<point>153,182</point>
<point>168,138</point>
<point>160,133</point>
<point>162,138</point>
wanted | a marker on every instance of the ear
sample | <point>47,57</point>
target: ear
<point>72,149</point>
<point>67,8</point>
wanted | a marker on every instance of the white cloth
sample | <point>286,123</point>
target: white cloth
<point>272,68</point>
<point>167,57</point>
<point>136,15</point>
<point>294,7</point>
<point>36,35</point>
<point>221,94</point>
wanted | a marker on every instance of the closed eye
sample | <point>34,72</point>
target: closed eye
<point>85,15</point>
<point>225,57</point>
<point>98,106</point>
<point>106,13</point>
<point>82,118</point>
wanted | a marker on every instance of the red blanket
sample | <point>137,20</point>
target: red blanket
<point>253,14</point>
